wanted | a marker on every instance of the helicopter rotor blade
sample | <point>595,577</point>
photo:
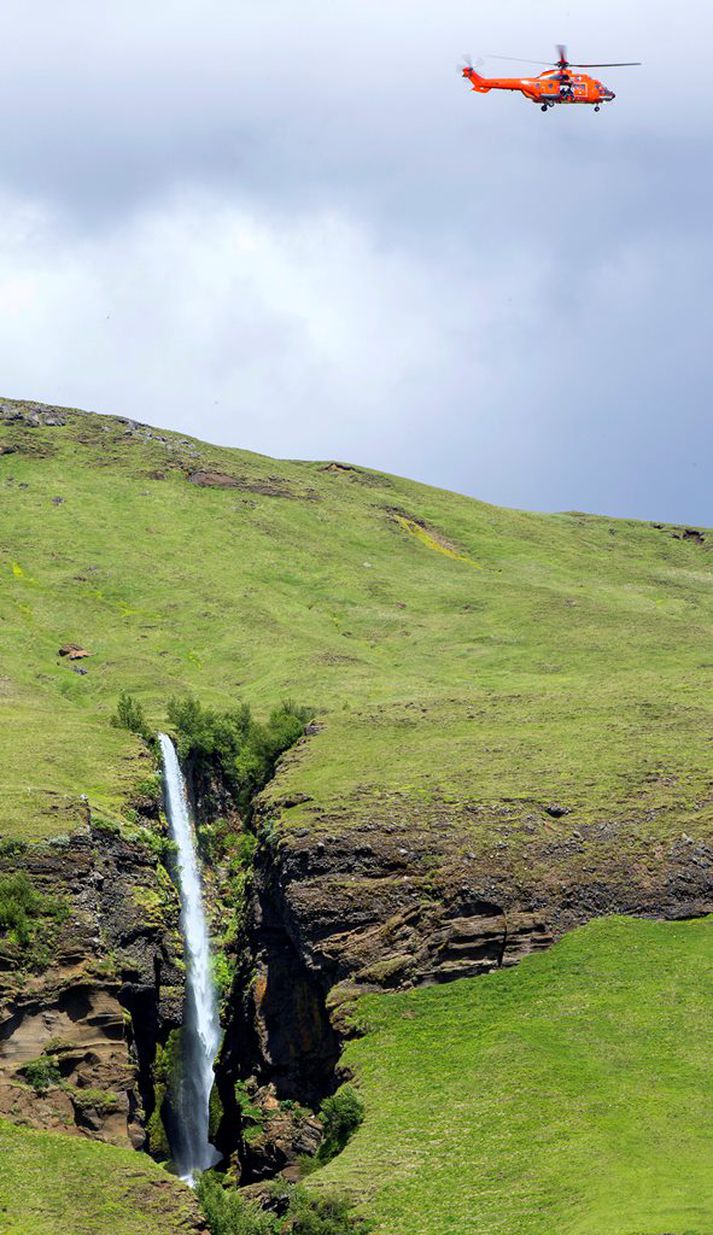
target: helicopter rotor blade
<point>562,53</point>
<point>521,60</point>
<point>614,64</point>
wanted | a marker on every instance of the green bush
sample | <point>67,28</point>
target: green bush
<point>130,715</point>
<point>341,1116</point>
<point>30,919</point>
<point>228,1213</point>
<point>41,1073</point>
<point>240,751</point>
<point>19,902</point>
<point>325,1215</point>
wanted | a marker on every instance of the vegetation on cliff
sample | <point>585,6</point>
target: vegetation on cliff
<point>231,746</point>
<point>29,921</point>
<point>288,1211</point>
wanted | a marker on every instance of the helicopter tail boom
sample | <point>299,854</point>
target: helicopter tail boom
<point>481,84</point>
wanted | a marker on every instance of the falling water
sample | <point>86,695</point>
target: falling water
<point>192,1151</point>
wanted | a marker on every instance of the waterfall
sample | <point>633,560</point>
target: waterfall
<point>200,1039</point>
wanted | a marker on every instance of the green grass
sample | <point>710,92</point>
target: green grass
<point>570,1096</point>
<point>573,665</point>
<point>51,1184</point>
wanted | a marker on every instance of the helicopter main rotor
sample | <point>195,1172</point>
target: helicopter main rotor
<point>563,64</point>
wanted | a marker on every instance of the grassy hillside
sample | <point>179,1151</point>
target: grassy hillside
<point>570,1095</point>
<point>470,667</point>
<point>52,1184</point>
<point>457,653</point>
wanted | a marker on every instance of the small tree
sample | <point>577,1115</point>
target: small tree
<point>341,1116</point>
<point>130,715</point>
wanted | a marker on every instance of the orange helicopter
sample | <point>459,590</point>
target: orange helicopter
<point>554,87</point>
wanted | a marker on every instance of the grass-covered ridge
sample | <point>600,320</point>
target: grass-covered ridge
<point>574,665</point>
<point>52,1184</point>
<point>570,1095</point>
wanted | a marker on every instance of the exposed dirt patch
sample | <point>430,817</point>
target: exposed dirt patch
<point>270,486</point>
<point>682,533</point>
<point>358,474</point>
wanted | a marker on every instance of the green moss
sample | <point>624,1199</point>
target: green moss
<point>251,1115</point>
<point>151,903</point>
<point>165,1073</point>
<point>215,1112</point>
<point>103,1101</point>
<point>156,1136</point>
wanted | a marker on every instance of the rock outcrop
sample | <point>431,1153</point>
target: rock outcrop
<point>79,1025</point>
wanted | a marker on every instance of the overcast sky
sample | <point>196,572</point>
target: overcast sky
<point>289,226</point>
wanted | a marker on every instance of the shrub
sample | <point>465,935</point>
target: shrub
<point>341,1116</point>
<point>324,1215</point>
<point>232,746</point>
<point>41,1073</point>
<point>130,715</point>
<point>19,902</point>
<point>228,1213</point>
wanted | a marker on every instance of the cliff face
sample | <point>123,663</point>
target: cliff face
<point>328,916</point>
<point>376,907</point>
<point>80,1023</point>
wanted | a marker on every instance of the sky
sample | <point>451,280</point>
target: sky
<point>290,227</point>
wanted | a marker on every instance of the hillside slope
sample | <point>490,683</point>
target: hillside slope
<point>50,1185</point>
<point>470,666</point>
<point>512,735</point>
<point>571,1095</point>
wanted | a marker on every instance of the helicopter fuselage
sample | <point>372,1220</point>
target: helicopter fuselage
<point>549,89</point>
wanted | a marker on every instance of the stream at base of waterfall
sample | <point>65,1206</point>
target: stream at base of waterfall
<point>200,1038</point>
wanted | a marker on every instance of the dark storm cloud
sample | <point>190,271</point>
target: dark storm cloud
<point>291,227</point>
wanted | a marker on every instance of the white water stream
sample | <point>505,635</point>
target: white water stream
<point>192,1151</point>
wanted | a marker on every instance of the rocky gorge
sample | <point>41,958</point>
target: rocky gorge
<point>325,917</point>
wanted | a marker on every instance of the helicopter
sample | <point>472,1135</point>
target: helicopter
<point>556,86</point>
